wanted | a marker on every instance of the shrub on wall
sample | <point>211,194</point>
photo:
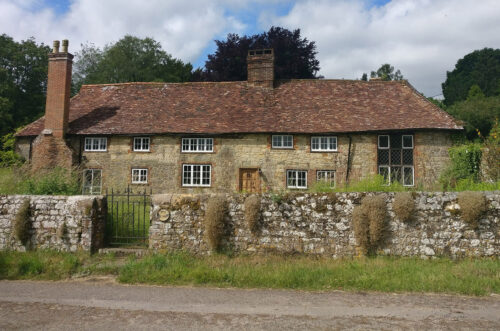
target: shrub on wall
<point>370,222</point>
<point>472,206</point>
<point>403,205</point>
<point>214,221</point>
<point>252,212</point>
<point>22,222</point>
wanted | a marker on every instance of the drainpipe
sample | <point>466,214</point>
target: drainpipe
<point>348,162</point>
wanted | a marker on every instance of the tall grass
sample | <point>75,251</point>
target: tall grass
<point>480,276</point>
<point>19,180</point>
<point>472,277</point>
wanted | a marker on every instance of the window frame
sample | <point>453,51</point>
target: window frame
<point>197,139</point>
<point>403,140</point>
<point>296,171</point>
<point>91,191</point>
<point>139,176</point>
<point>412,174</point>
<point>282,141</point>
<point>192,165</point>
<point>91,139</point>
<point>142,150</point>
<point>388,141</point>
<point>332,178</point>
<point>328,150</point>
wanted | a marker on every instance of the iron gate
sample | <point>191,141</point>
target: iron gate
<point>128,221</point>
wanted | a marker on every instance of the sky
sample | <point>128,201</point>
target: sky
<point>422,38</point>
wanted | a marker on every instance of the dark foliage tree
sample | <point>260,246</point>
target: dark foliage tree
<point>295,57</point>
<point>386,72</point>
<point>130,59</point>
<point>481,67</point>
<point>478,112</point>
<point>364,77</point>
<point>23,82</point>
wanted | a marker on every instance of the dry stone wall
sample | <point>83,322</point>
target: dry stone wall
<point>66,223</point>
<point>322,224</point>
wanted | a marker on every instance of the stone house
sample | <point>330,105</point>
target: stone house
<point>255,136</point>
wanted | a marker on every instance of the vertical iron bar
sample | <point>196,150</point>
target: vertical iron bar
<point>144,218</point>
<point>133,218</point>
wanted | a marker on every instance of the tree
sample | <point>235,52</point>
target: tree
<point>478,112</point>
<point>386,72</point>
<point>364,77</point>
<point>23,82</point>
<point>130,59</point>
<point>481,67</point>
<point>295,57</point>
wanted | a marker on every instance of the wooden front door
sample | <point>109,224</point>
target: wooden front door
<point>250,180</point>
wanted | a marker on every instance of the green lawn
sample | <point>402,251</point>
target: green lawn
<point>467,276</point>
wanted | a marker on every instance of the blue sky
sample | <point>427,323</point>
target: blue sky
<point>422,38</point>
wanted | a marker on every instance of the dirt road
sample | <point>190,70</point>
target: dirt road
<point>101,305</point>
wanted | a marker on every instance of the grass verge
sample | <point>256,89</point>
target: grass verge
<point>384,274</point>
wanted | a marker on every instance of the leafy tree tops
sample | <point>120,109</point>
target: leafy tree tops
<point>481,68</point>
<point>130,59</point>
<point>295,57</point>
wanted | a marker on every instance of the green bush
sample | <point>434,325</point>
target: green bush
<point>465,164</point>
<point>372,184</point>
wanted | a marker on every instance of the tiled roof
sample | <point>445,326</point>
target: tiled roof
<point>294,106</point>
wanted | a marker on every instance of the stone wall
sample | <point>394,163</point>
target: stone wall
<point>83,218</point>
<point>322,224</point>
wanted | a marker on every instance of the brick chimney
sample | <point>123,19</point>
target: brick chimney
<point>50,149</point>
<point>58,90</point>
<point>260,66</point>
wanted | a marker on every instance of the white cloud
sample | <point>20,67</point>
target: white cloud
<point>184,28</point>
<point>422,38</point>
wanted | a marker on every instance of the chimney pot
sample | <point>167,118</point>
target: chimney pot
<point>55,49</point>
<point>65,46</point>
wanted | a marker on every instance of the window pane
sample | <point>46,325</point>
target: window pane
<point>206,175</point>
<point>301,179</point>
<point>291,180</point>
<point>396,156</point>
<point>324,143</point>
<point>383,156</point>
<point>395,141</point>
<point>277,141</point>
<point>384,171</point>
<point>196,175</point>
<point>408,176</point>
<point>186,175</point>
<point>288,141</point>
<point>407,141</point>
<point>383,141</point>
<point>333,143</point>
<point>408,156</point>
<point>314,143</point>
<point>396,175</point>
<point>210,143</point>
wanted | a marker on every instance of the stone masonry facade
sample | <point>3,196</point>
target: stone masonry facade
<point>234,152</point>
<point>56,222</point>
<point>322,224</point>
